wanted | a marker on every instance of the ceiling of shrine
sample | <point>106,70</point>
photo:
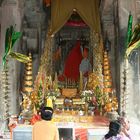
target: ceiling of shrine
<point>107,16</point>
<point>138,8</point>
<point>36,14</point>
<point>1,2</point>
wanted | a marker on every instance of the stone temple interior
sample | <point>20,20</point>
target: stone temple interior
<point>32,18</point>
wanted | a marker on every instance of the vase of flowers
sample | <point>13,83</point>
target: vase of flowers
<point>98,100</point>
<point>86,96</point>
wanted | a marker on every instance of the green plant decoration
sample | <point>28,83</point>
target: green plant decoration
<point>11,37</point>
<point>99,98</point>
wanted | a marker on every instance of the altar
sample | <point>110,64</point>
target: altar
<point>74,77</point>
<point>69,130</point>
<point>97,127</point>
<point>74,73</point>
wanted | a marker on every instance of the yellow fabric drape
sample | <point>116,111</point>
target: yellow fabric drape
<point>89,12</point>
<point>61,11</point>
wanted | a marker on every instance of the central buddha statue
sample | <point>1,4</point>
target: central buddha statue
<point>77,61</point>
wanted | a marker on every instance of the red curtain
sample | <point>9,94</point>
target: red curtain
<point>76,23</point>
<point>71,68</point>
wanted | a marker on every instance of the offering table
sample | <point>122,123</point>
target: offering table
<point>69,130</point>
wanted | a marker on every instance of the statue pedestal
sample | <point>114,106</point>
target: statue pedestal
<point>69,92</point>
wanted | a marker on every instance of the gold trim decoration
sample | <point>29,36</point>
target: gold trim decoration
<point>5,90</point>
<point>97,44</point>
<point>111,103</point>
<point>46,58</point>
<point>107,75</point>
<point>94,81</point>
<point>28,79</point>
<point>98,52</point>
<point>81,82</point>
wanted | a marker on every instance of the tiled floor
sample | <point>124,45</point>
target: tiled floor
<point>135,132</point>
<point>6,136</point>
<point>5,139</point>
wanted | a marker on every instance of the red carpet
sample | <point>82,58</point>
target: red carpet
<point>81,133</point>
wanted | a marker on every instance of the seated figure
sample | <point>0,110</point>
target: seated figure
<point>125,126</point>
<point>114,131</point>
<point>71,66</point>
<point>85,67</point>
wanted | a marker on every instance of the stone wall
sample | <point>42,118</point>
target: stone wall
<point>132,80</point>
<point>110,25</point>
<point>11,14</point>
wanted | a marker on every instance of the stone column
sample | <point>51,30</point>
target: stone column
<point>124,8</point>
<point>11,14</point>
<point>0,29</point>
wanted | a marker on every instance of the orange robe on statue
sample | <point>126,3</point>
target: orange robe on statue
<point>47,2</point>
<point>71,68</point>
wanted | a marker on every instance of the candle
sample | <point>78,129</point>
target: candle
<point>49,103</point>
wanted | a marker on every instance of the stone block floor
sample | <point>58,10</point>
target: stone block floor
<point>5,136</point>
